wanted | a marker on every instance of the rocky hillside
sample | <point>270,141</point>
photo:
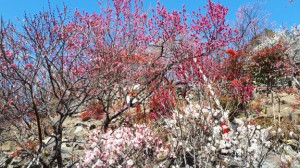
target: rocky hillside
<point>75,135</point>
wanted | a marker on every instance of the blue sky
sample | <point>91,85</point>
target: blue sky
<point>281,11</point>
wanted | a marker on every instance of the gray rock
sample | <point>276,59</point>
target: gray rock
<point>70,133</point>
<point>80,124</point>
<point>49,142</point>
<point>78,146</point>
<point>273,160</point>
<point>65,149</point>
<point>80,133</point>
<point>68,144</point>
<point>78,130</point>
<point>66,154</point>
<point>289,151</point>
<point>7,146</point>
<point>296,164</point>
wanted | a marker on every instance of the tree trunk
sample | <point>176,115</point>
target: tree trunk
<point>57,149</point>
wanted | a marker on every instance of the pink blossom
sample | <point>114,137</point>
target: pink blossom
<point>28,65</point>
<point>13,66</point>
<point>117,144</point>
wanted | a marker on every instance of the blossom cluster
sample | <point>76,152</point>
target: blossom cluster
<point>125,147</point>
<point>249,144</point>
<point>194,136</point>
<point>193,131</point>
<point>205,137</point>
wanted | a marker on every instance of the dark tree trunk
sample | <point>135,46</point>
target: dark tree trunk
<point>58,142</point>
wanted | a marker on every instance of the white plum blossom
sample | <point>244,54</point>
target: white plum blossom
<point>129,162</point>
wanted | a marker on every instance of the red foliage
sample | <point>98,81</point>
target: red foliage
<point>85,115</point>
<point>237,76</point>
<point>230,51</point>
<point>94,111</point>
<point>224,127</point>
<point>162,101</point>
<point>269,64</point>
